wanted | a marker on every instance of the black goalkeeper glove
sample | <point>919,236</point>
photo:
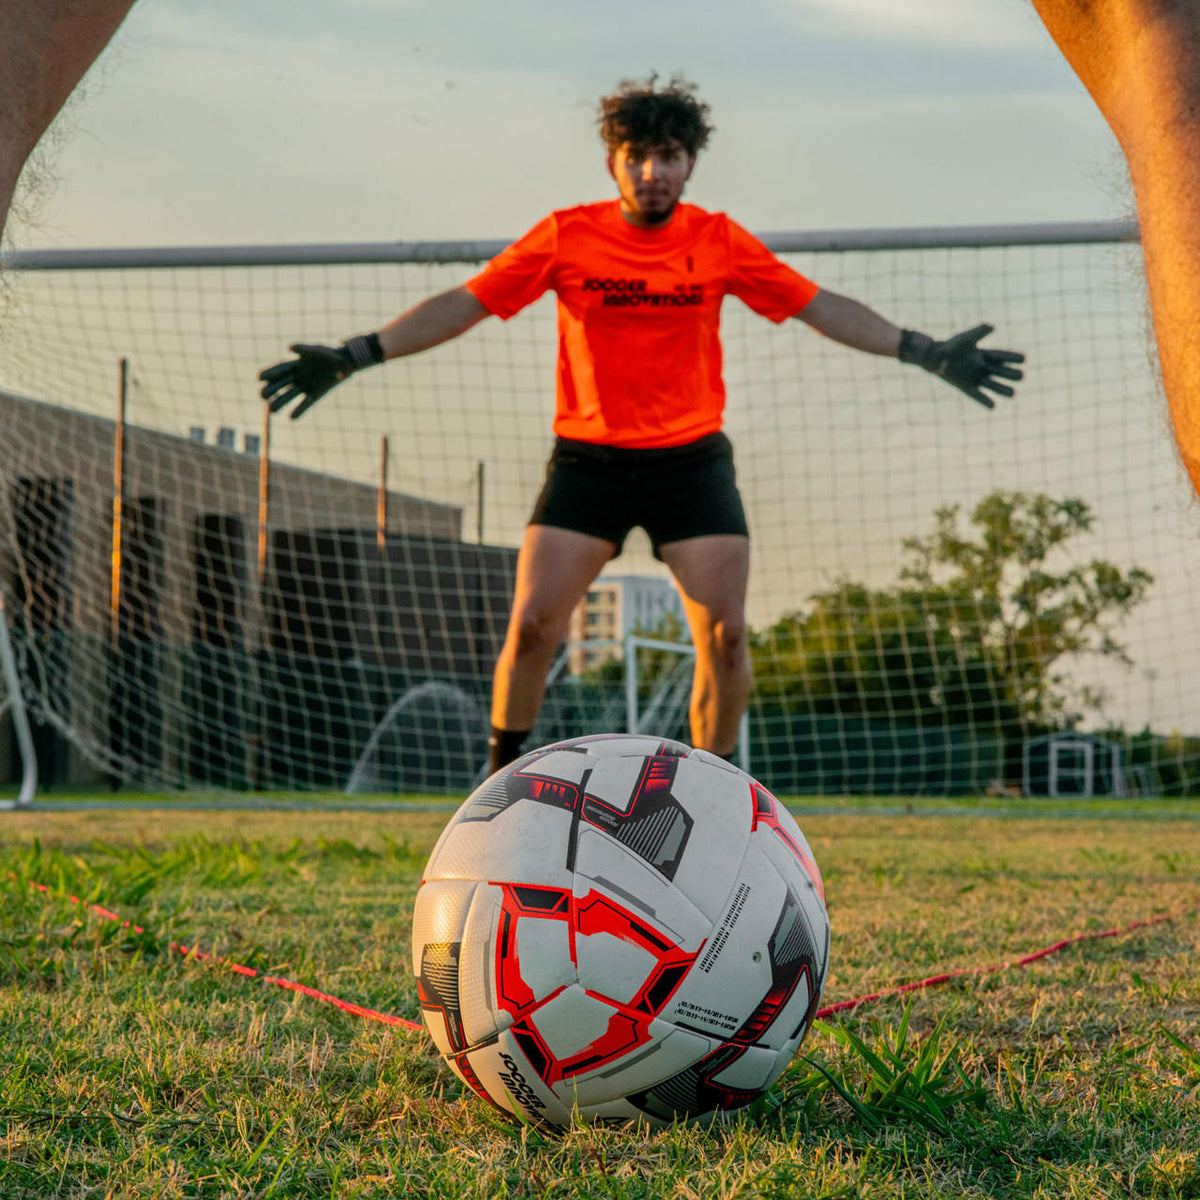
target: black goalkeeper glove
<point>315,370</point>
<point>959,361</point>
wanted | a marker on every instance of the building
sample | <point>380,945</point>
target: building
<point>614,607</point>
<point>192,626</point>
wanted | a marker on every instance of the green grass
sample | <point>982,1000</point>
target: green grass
<point>1134,808</point>
<point>127,1071</point>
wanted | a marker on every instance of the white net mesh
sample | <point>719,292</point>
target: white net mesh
<point>314,644</point>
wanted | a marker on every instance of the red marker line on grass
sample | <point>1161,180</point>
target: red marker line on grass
<point>250,973</point>
<point>843,1006</point>
<point>935,980</point>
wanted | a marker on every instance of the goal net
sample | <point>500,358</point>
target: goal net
<point>199,598</point>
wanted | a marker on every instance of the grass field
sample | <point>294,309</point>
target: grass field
<point>127,1071</point>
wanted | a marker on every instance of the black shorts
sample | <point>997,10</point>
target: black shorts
<point>673,493</point>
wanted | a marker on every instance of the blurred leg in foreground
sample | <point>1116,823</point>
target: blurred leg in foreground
<point>1140,59</point>
<point>45,48</point>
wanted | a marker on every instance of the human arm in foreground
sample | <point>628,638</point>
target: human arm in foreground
<point>1140,60</point>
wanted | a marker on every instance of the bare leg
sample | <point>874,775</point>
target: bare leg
<point>1140,59</point>
<point>712,573</point>
<point>46,47</point>
<point>555,568</point>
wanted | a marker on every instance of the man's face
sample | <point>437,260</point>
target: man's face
<point>650,180</point>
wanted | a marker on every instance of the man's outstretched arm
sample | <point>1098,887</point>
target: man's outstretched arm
<point>959,360</point>
<point>433,321</point>
<point>317,369</point>
<point>1140,60</point>
<point>851,323</point>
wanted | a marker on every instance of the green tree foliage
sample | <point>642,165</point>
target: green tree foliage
<point>978,627</point>
<point>876,653</point>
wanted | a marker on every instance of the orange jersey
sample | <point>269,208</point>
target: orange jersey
<point>639,349</point>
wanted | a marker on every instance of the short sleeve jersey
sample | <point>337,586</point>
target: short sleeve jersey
<point>639,350</point>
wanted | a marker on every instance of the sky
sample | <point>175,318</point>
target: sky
<point>374,120</point>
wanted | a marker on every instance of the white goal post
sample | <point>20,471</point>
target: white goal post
<point>219,600</point>
<point>12,703</point>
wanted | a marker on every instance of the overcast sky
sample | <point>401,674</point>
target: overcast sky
<point>386,119</point>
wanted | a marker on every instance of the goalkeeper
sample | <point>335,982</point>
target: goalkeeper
<point>639,281</point>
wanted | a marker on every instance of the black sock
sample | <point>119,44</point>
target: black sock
<point>504,746</point>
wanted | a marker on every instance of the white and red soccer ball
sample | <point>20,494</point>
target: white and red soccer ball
<point>620,927</point>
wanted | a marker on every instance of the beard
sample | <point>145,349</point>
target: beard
<point>657,208</point>
<point>659,216</point>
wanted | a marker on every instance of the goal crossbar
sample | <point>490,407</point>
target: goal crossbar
<point>820,241</point>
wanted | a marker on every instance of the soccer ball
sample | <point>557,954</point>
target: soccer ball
<point>617,928</point>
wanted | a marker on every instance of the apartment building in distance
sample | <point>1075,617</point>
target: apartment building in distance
<point>613,608</point>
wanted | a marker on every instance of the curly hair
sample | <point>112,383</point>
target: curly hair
<point>643,115</point>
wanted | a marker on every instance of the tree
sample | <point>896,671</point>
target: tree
<point>999,591</point>
<point>977,628</point>
<point>876,653</point>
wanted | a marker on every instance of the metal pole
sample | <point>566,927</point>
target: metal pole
<point>479,503</point>
<point>631,685</point>
<point>264,493</point>
<point>8,664</point>
<point>256,640</point>
<point>744,743</point>
<point>381,500</point>
<point>117,504</point>
<point>816,241</point>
